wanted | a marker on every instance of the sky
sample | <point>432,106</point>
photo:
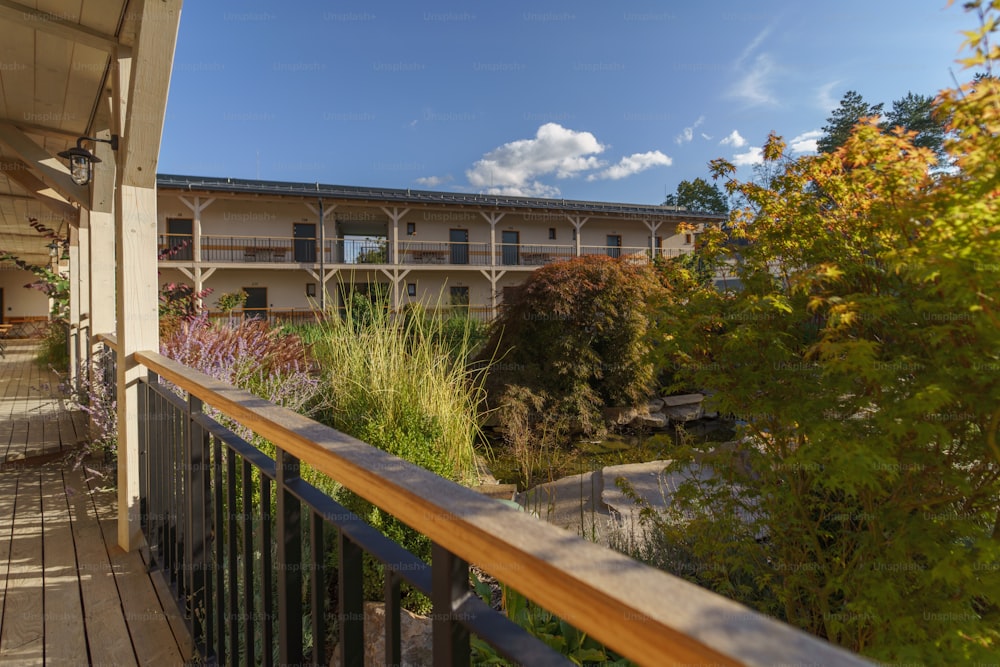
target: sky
<point>600,101</point>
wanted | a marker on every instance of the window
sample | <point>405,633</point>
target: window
<point>411,228</point>
<point>411,289</point>
<point>459,296</point>
<point>180,239</point>
<point>614,245</point>
<point>688,239</point>
<point>311,289</point>
<point>552,233</point>
<point>574,233</point>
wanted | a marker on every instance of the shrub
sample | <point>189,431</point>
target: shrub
<point>574,333</point>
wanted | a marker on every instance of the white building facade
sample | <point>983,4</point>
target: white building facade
<point>294,247</point>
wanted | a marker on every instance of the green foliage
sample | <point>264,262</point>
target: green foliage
<point>842,120</point>
<point>915,113</point>
<point>230,301</point>
<point>574,334</point>
<point>863,501</point>
<point>54,350</point>
<point>400,384</point>
<point>698,195</point>
<point>559,635</point>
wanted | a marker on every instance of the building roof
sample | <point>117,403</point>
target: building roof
<point>426,197</point>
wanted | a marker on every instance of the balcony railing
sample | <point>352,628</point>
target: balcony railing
<point>634,254</point>
<point>241,537</point>
<point>353,251</point>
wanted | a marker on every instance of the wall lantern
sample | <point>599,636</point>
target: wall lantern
<point>81,161</point>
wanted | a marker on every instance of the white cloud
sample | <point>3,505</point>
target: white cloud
<point>734,139</point>
<point>633,164</point>
<point>805,142</point>
<point>434,181</point>
<point>514,168</point>
<point>687,134</point>
<point>755,155</point>
<point>754,87</point>
<point>706,137</point>
<point>824,99</point>
<point>752,46</point>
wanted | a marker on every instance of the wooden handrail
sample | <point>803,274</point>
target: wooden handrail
<point>643,613</point>
<point>109,339</point>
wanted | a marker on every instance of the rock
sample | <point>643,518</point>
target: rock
<point>499,491</point>
<point>652,420</point>
<point>683,399</point>
<point>620,416</point>
<point>655,405</point>
<point>684,413</point>
<point>415,638</point>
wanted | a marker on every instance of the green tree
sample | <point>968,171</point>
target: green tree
<point>843,119</point>
<point>862,502</point>
<point>698,195</point>
<point>575,333</point>
<point>916,114</point>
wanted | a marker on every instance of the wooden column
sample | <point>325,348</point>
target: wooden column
<point>139,87</point>
<point>79,296</point>
<point>100,222</point>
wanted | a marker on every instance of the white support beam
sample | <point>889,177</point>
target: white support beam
<point>395,215</point>
<point>578,221</point>
<point>48,168</point>
<point>140,81</point>
<point>322,212</point>
<point>18,172</point>
<point>493,219</point>
<point>197,207</point>
<point>494,277</point>
<point>653,227</point>
<point>35,19</point>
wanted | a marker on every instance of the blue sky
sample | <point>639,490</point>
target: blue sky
<point>607,101</point>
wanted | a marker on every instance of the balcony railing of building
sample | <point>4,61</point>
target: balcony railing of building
<point>379,251</point>
<point>243,540</point>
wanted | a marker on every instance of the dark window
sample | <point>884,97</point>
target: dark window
<point>256,304</point>
<point>459,296</point>
<point>411,289</point>
<point>411,228</point>
<point>180,239</point>
<point>459,239</point>
<point>305,242</point>
<point>510,250</point>
<point>311,289</point>
<point>552,232</point>
<point>614,245</point>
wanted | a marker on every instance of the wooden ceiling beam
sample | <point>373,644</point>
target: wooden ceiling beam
<point>18,172</point>
<point>49,169</point>
<point>30,17</point>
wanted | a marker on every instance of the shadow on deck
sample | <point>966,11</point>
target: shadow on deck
<point>68,594</point>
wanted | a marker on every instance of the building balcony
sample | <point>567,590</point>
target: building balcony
<point>246,250</point>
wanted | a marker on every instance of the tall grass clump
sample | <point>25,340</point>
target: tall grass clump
<point>402,385</point>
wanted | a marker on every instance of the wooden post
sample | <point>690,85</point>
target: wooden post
<point>101,225</point>
<point>139,88</point>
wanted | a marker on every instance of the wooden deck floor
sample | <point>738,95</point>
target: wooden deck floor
<point>68,594</point>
